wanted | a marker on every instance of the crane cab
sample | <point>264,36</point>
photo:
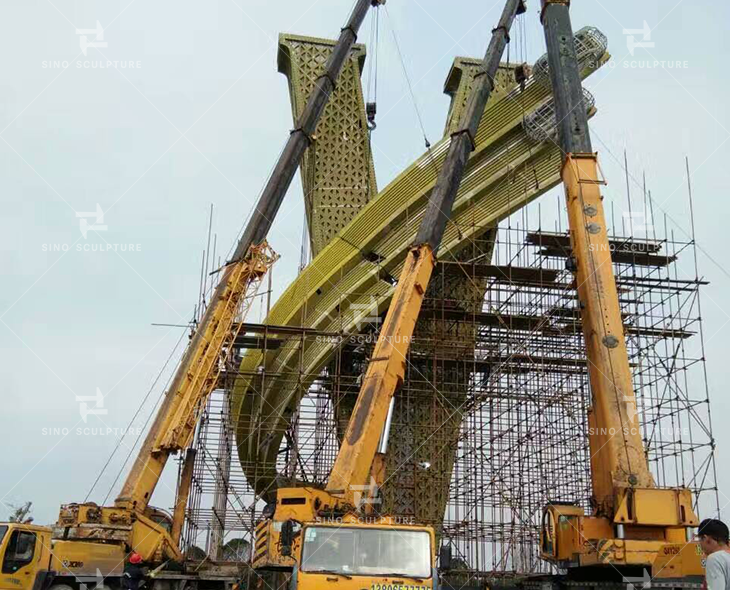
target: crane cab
<point>342,550</point>
<point>25,556</point>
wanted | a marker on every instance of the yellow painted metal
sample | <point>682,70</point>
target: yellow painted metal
<point>297,504</point>
<point>131,522</point>
<point>23,573</point>
<point>615,438</point>
<point>679,561</point>
<point>377,479</point>
<point>314,581</point>
<point>384,374</point>
<point>175,422</point>
<point>559,538</point>
<point>506,171</point>
<point>148,532</point>
<point>183,493</point>
<point>63,559</point>
<point>667,507</point>
<point>624,492</point>
<point>80,558</point>
<point>309,506</point>
<point>356,461</point>
<point>424,493</point>
<point>571,539</point>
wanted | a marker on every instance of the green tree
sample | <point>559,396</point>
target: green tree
<point>196,553</point>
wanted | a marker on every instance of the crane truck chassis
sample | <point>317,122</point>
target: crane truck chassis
<point>91,542</point>
<point>637,530</point>
<point>31,559</point>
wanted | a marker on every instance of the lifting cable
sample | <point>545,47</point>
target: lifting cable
<point>371,106</point>
<point>408,81</point>
<point>129,426</point>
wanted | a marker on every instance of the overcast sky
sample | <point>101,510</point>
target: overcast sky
<point>199,119</point>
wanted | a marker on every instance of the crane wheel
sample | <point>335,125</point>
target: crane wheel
<point>61,587</point>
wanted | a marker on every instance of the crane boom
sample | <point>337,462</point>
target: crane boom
<point>196,376</point>
<point>289,537</point>
<point>632,520</point>
<point>130,521</point>
<point>174,424</point>
<point>610,373</point>
<point>387,365</point>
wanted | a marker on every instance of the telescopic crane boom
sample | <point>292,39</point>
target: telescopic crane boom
<point>131,522</point>
<point>288,538</point>
<point>633,521</point>
<point>387,365</point>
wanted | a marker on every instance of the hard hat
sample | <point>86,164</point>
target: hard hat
<point>135,558</point>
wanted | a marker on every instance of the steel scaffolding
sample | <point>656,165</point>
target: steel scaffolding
<point>507,373</point>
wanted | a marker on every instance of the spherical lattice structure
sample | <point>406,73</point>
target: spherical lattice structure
<point>542,124</point>
<point>590,45</point>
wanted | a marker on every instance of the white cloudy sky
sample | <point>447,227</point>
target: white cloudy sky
<point>201,121</point>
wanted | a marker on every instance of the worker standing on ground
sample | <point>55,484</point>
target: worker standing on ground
<point>134,573</point>
<point>713,537</point>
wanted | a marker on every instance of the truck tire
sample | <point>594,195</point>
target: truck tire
<point>61,587</point>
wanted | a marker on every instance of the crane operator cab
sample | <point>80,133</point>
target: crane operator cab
<point>343,550</point>
<point>24,555</point>
<point>384,554</point>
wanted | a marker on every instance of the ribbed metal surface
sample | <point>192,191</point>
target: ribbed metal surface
<point>506,171</point>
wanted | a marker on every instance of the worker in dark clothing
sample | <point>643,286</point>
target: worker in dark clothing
<point>134,573</point>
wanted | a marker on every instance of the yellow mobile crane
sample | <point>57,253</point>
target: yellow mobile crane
<point>334,537</point>
<point>634,526</point>
<point>90,542</point>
